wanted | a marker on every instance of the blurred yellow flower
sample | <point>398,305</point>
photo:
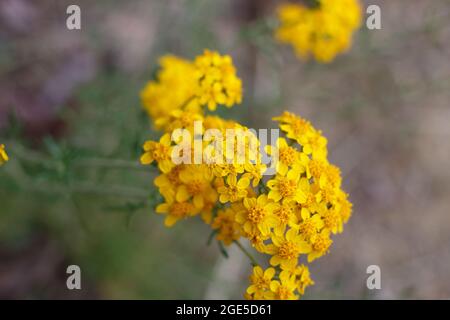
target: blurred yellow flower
<point>286,248</point>
<point>260,282</point>
<point>322,30</point>
<point>226,226</point>
<point>175,211</point>
<point>288,214</point>
<point>159,152</point>
<point>283,289</point>
<point>3,155</point>
<point>234,190</point>
<point>257,213</point>
<point>217,80</point>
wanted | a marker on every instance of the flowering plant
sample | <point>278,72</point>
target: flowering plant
<point>287,214</point>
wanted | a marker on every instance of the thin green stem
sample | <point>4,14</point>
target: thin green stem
<point>248,254</point>
<point>110,190</point>
<point>109,163</point>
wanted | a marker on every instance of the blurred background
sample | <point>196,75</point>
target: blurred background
<point>69,102</point>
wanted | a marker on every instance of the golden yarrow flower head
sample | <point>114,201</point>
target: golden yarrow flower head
<point>217,81</point>
<point>323,29</point>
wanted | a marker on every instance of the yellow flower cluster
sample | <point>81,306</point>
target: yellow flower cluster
<point>287,215</point>
<point>322,29</point>
<point>209,80</point>
<point>3,154</point>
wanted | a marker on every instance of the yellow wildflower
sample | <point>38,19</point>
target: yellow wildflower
<point>321,242</point>
<point>310,224</point>
<point>322,30</point>
<point>257,213</point>
<point>233,190</point>
<point>226,226</point>
<point>172,90</point>
<point>285,215</point>
<point>284,289</point>
<point>217,80</point>
<point>287,156</point>
<point>175,211</point>
<point>286,248</point>
<point>260,282</point>
<point>254,172</point>
<point>294,126</point>
<point>285,187</point>
<point>302,278</point>
<point>159,152</point>
<point>196,183</point>
<point>3,155</point>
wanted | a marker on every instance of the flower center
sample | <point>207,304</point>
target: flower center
<point>331,219</point>
<point>310,199</point>
<point>262,283</point>
<point>287,187</point>
<point>288,250</point>
<point>180,209</point>
<point>308,228</point>
<point>284,293</point>
<point>322,243</point>
<point>160,152</point>
<point>283,214</point>
<point>287,155</point>
<point>300,126</point>
<point>173,175</point>
<point>316,168</point>
<point>196,187</point>
<point>256,214</point>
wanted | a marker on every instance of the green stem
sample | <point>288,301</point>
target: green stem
<point>109,163</point>
<point>248,254</point>
<point>110,190</point>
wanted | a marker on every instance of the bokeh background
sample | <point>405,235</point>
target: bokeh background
<point>69,102</point>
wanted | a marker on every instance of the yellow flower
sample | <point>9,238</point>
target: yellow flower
<point>179,119</point>
<point>226,226</point>
<point>3,155</point>
<point>196,183</point>
<point>315,144</point>
<point>256,239</point>
<point>302,278</point>
<point>323,30</point>
<point>332,220</point>
<point>321,242</point>
<point>294,126</point>
<point>286,187</point>
<point>287,156</point>
<point>254,172</point>
<point>284,289</point>
<point>217,80</point>
<point>286,249</point>
<point>257,213</point>
<point>343,205</point>
<point>175,211</point>
<point>260,282</point>
<point>285,215</point>
<point>316,167</point>
<point>233,190</point>
<point>167,183</point>
<point>310,225</point>
<point>228,169</point>
<point>173,90</point>
<point>159,152</point>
